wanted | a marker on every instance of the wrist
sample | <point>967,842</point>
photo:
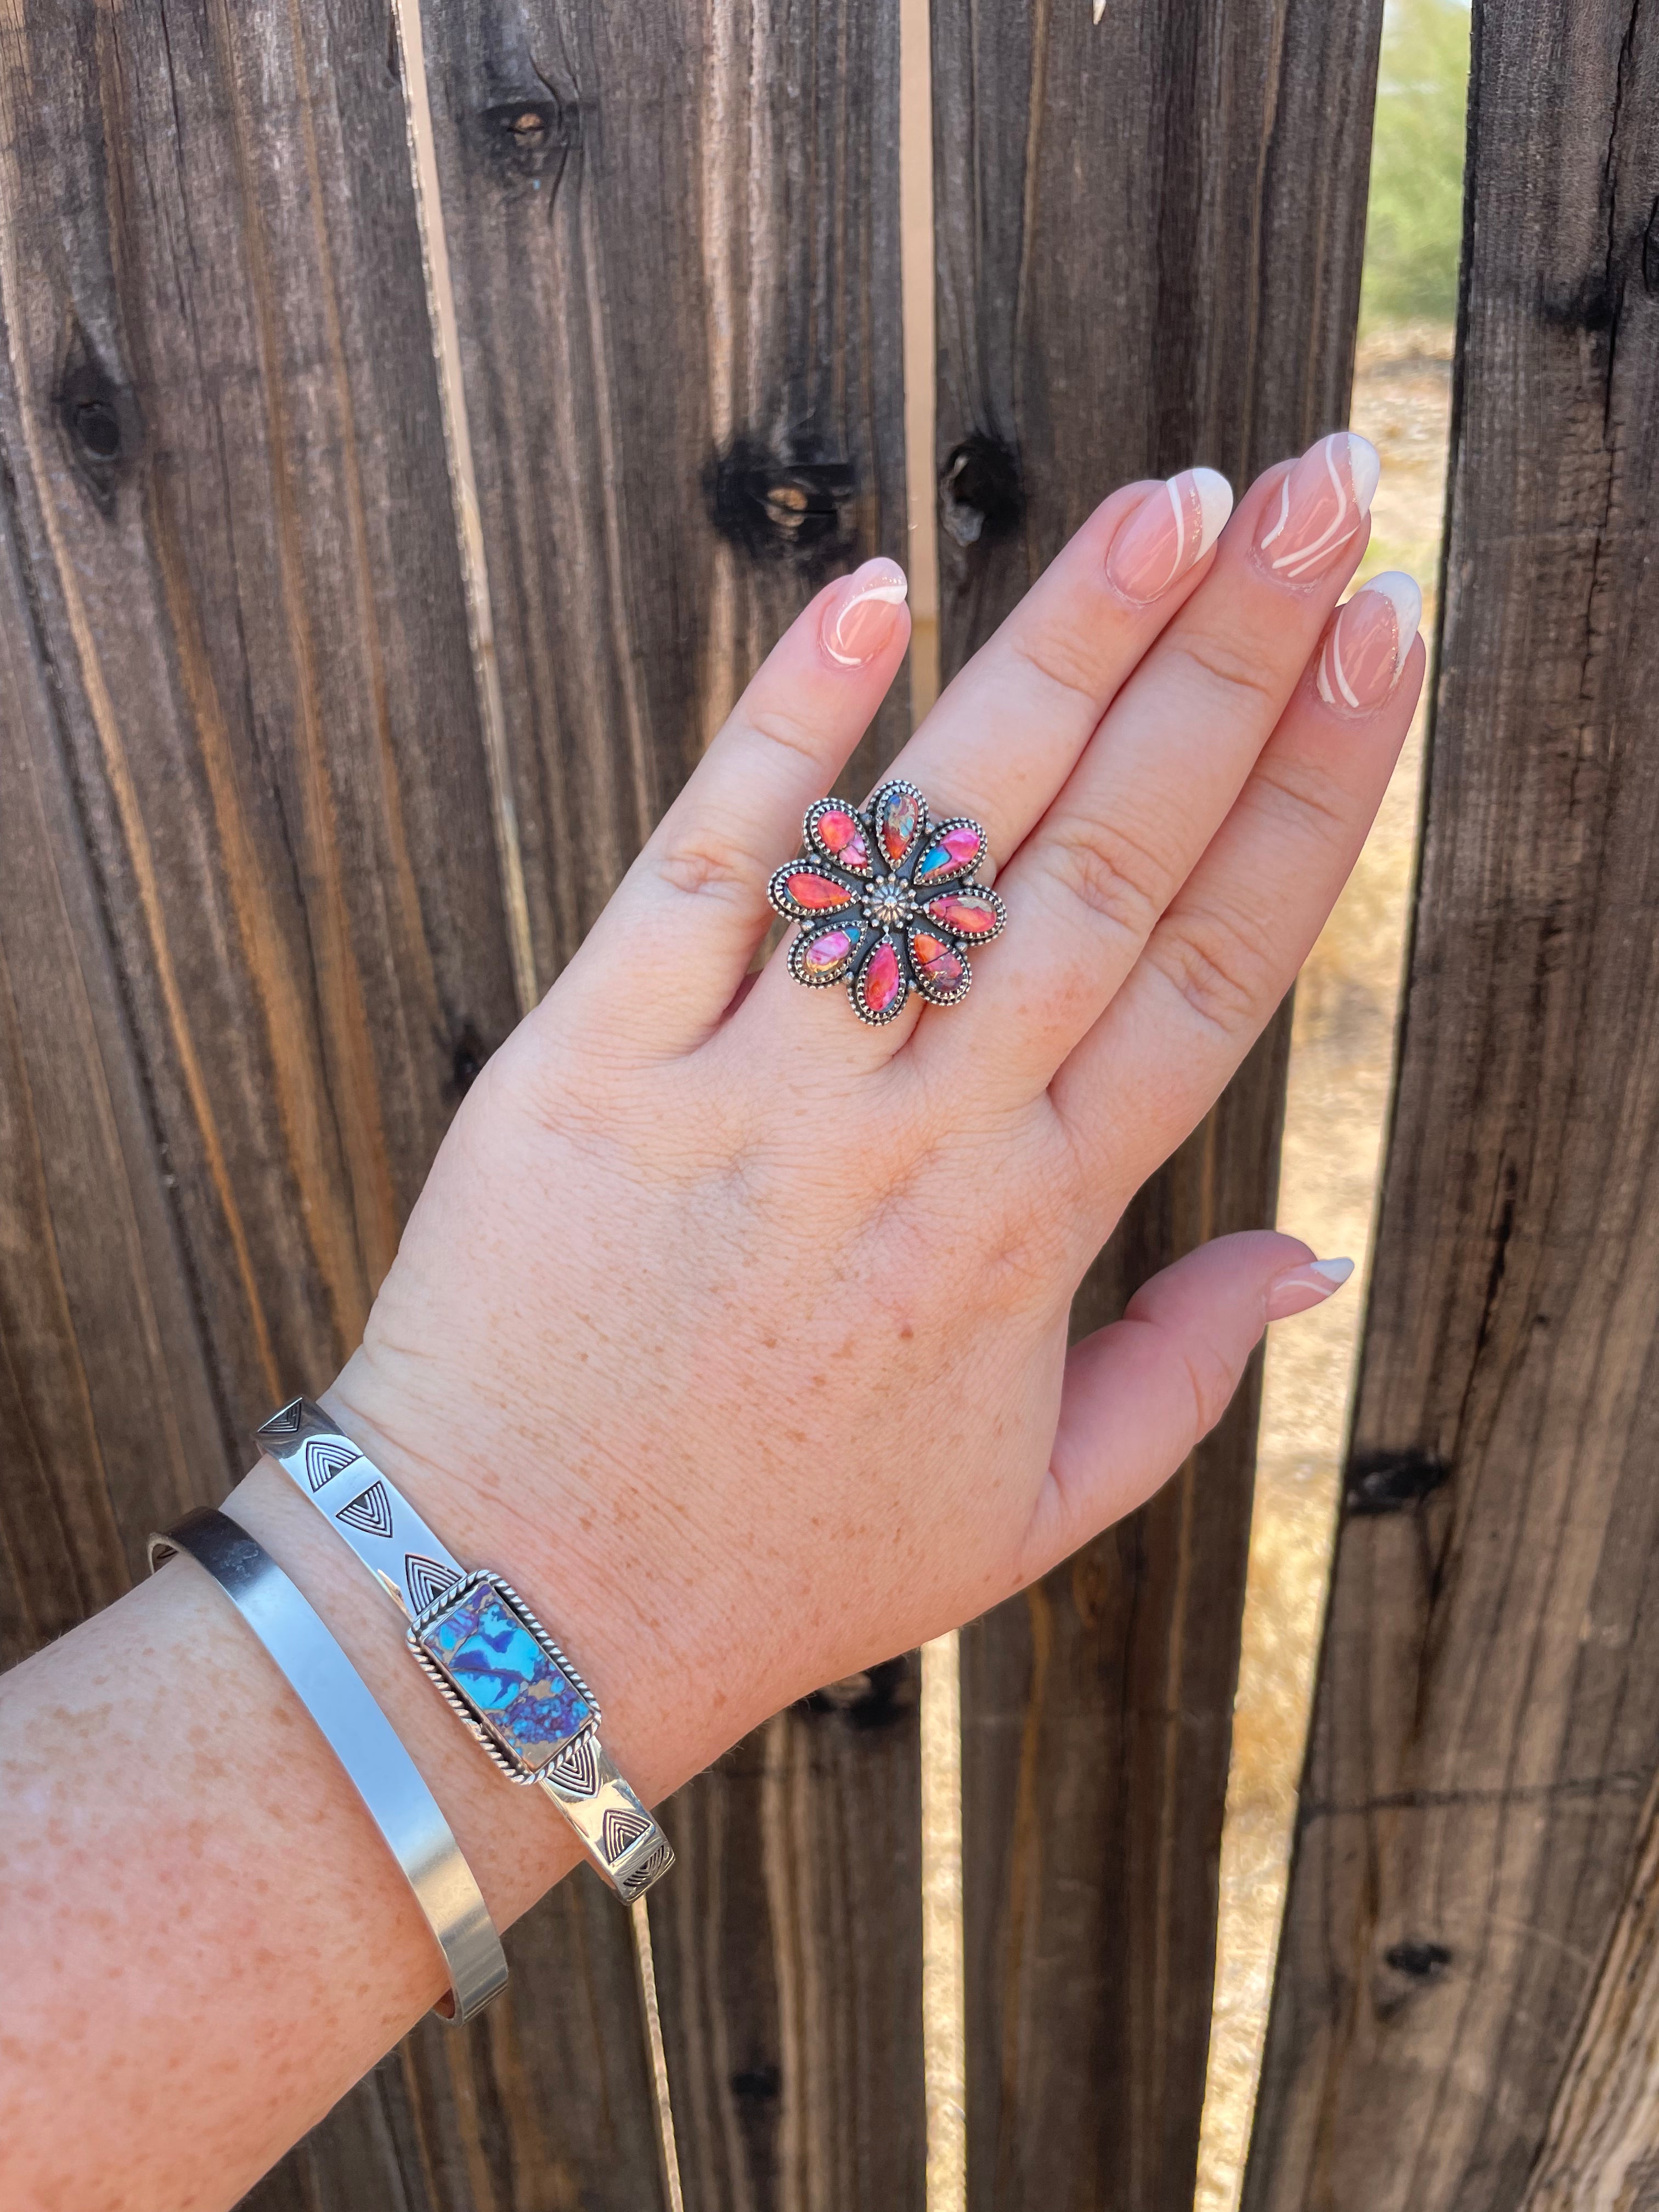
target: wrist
<point>481,1514</point>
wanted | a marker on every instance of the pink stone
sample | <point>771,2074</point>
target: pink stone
<point>880,983</point>
<point>838,830</point>
<point>826,953</point>
<point>955,853</point>
<point>898,818</point>
<point>816,893</point>
<point>938,963</point>
<point>969,914</point>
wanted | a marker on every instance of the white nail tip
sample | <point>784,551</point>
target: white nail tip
<point>1215,504</point>
<point>1336,1272</point>
<point>1365,469</point>
<point>1401,593</point>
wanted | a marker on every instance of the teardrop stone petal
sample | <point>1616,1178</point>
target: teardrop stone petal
<point>956,851</point>
<point>969,914</point>
<point>882,981</point>
<point>825,954</point>
<point>898,818</point>
<point>815,893</point>
<point>838,830</point>
<point>939,964</point>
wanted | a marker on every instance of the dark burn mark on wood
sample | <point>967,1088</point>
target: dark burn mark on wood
<point>980,495</point>
<point>99,417</point>
<point>1392,1482</point>
<point>874,1698</point>
<point>1420,1961</point>
<point>792,506</point>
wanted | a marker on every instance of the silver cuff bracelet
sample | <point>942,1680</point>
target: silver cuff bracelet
<point>364,1741</point>
<point>478,1641</point>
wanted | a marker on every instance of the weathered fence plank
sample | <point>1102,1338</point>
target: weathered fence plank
<point>1485,1727</point>
<point>674,239</point>
<point>250,924</point>
<point>1150,225</point>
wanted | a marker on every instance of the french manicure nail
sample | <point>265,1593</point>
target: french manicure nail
<point>1367,643</point>
<point>1309,1285</point>
<point>859,620</point>
<point>1171,530</point>
<point>1320,507</point>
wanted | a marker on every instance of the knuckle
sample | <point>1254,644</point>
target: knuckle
<point>701,863</point>
<point>1230,667</point>
<point>1222,965</point>
<point>775,723</point>
<point>1055,653</point>
<point>1212,1381</point>
<point>1111,876</point>
<point>1303,797</point>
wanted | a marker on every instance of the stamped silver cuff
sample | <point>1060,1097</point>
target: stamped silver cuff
<point>476,1640</point>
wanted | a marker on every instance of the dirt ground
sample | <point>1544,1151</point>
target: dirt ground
<point>1341,1061</point>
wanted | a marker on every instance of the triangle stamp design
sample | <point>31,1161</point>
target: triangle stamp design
<point>370,1510</point>
<point>621,1830</point>
<point>285,1423</point>
<point>576,1767</point>
<point>654,1862</point>
<point>426,1580</point>
<point>326,1456</point>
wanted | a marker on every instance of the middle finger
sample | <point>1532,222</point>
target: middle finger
<point>1085,890</point>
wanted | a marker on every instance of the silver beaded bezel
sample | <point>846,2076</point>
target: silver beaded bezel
<point>515,1768</point>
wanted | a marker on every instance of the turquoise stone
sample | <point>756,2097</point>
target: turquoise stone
<point>511,1682</point>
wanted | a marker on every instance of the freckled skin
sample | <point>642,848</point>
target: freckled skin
<point>738,1348</point>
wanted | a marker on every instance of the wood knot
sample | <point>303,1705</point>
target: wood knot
<point>1392,1482</point>
<point>98,416</point>
<point>1420,1961</point>
<point>981,496</point>
<point>467,1057</point>
<point>757,2085</point>
<point>529,136</point>
<point>781,506</point>
<point>873,1698</point>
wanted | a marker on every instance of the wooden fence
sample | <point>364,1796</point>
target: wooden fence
<point>277,870</point>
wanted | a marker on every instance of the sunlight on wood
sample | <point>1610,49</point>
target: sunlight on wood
<point>943,2009</point>
<point>1341,1062</point>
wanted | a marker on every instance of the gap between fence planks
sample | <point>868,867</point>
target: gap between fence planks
<point>1149,240</point>
<point>251,935</point>
<point>675,246</point>
<point>1486,1729</point>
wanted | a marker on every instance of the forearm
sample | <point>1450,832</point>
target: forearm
<point>207,1941</point>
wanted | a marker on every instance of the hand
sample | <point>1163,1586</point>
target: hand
<point>735,1330</point>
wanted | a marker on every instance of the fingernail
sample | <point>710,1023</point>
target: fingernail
<point>1367,643</point>
<point>1171,529</point>
<point>1320,507</point>
<point>859,620</point>
<point>1309,1285</point>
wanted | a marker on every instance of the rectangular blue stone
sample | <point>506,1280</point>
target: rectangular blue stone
<point>509,1679</point>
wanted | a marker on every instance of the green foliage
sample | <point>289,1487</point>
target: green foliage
<point>1414,222</point>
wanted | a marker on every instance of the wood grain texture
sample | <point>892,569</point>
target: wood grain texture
<point>674,238</point>
<point>789,1959</point>
<point>1149,237</point>
<point>1601,2147</point>
<point>1485,1727</point>
<point>251,935</point>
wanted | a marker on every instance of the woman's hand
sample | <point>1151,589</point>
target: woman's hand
<point>735,1331</point>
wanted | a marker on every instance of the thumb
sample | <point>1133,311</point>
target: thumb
<point>1139,1395</point>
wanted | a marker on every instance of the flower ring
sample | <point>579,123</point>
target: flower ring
<point>885,898</point>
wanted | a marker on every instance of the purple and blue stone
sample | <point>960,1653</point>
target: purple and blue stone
<point>509,1680</point>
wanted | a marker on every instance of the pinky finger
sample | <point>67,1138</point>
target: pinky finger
<point>1139,1394</point>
